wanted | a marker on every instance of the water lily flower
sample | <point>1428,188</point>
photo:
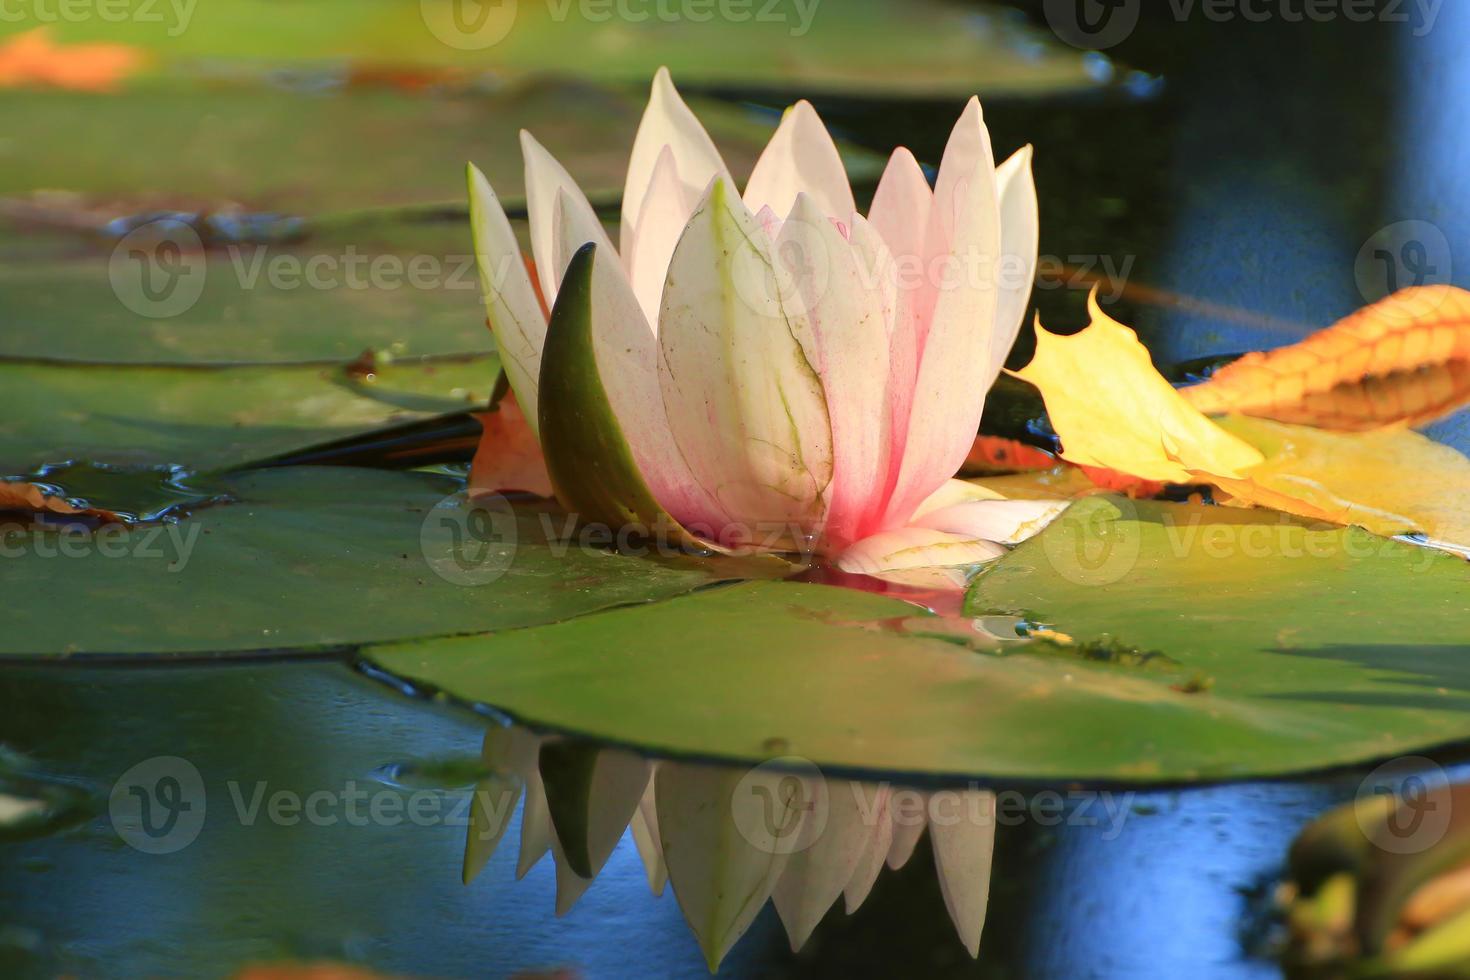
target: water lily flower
<point>770,368</point>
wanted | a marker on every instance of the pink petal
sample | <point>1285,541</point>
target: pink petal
<point>667,123</point>
<point>744,403</point>
<point>800,157</point>
<point>511,307</point>
<point>1020,231</point>
<point>556,236</point>
<point>842,317</point>
<point>915,547</point>
<point>962,830</point>
<point>954,369</point>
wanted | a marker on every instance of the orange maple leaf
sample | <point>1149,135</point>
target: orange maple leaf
<point>1404,359</point>
<point>28,498</point>
<point>508,457</point>
<point>31,59</point>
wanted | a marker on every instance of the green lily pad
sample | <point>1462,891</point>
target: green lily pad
<point>210,417</point>
<point>919,47</point>
<point>1311,647</point>
<point>316,559</point>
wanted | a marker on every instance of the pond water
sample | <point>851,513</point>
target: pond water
<point>1236,183</point>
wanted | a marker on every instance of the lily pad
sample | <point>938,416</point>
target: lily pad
<point>1290,655</point>
<point>210,417</point>
<point>315,559</point>
<point>919,47</point>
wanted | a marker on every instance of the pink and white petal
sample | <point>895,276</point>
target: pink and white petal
<point>964,846</point>
<point>841,318</point>
<point>511,307</point>
<point>555,237</point>
<point>645,836</point>
<point>908,812</point>
<point>954,370</point>
<point>1020,235</point>
<point>900,211</point>
<point>667,123</point>
<point>915,547</point>
<point>1002,521</point>
<point>744,404</point>
<point>801,156</point>
<point>666,210</point>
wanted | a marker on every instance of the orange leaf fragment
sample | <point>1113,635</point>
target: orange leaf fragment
<point>1404,359</point>
<point>508,457</point>
<point>27,498</point>
<point>31,59</point>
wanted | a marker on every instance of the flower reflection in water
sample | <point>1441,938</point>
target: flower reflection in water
<point>726,838</point>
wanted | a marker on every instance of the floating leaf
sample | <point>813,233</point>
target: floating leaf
<point>313,558</point>
<point>1259,644</point>
<point>1391,481</point>
<point>1113,410</point>
<point>208,417</point>
<point>1404,359</point>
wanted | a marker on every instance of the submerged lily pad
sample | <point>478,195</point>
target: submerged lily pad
<point>1185,662</point>
<point>312,559</point>
<point>208,417</point>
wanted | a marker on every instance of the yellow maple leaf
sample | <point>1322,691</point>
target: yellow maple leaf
<point>1112,409</point>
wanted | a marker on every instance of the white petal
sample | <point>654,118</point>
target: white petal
<point>508,753</point>
<point>954,370</point>
<point>725,834</point>
<point>667,123</point>
<point>801,156</point>
<point>511,306</point>
<point>556,236</point>
<point>953,492</point>
<point>1002,521</point>
<point>875,851</point>
<point>650,846</point>
<point>834,836</point>
<point>666,210</point>
<point>915,547</point>
<point>536,832</point>
<point>963,849</point>
<point>1020,231</point>
<point>843,313</point>
<point>570,886</point>
<point>908,812</point>
<point>745,406</point>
